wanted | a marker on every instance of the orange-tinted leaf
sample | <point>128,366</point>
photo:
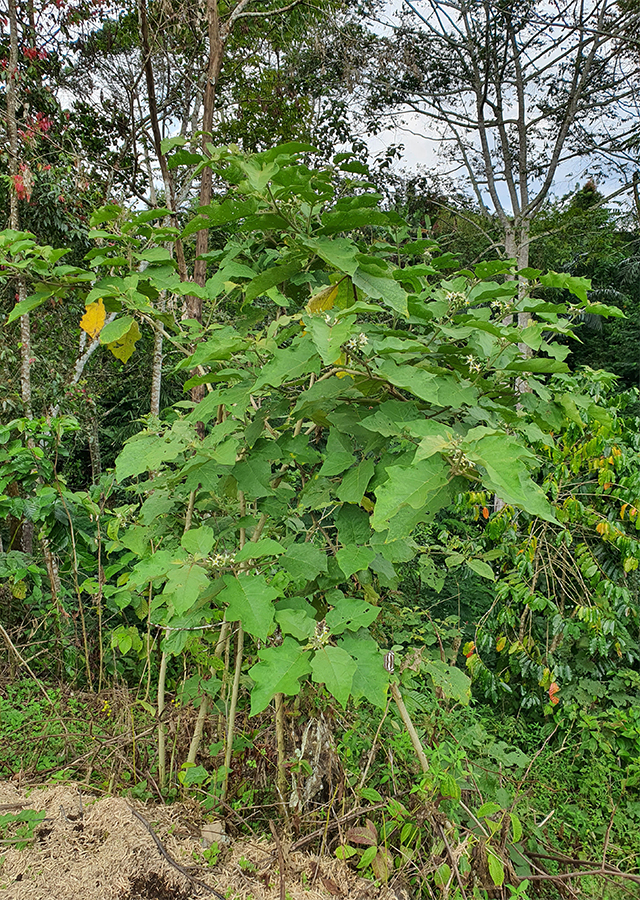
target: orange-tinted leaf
<point>601,527</point>
<point>323,300</point>
<point>469,649</point>
<point>554,689</point>
<point>363,836</point>
<point>94,318</point>
<point>485,512</point>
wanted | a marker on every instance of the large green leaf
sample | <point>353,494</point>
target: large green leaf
<point>300,358</point>
<point>384,288</point>
<point>25,306</point>
<point>481,568</point>
<point>278,672</point>
<point>371,680</point>
<point>250,601</point>
<point>265,547</point>
<point>578,286</point>
<point>272,277</point>
<point>418,486</point>
<point>453,683</point>
<point>349,613</point>
<point>304,560</point>
<point>355,482</point>
<point>153,568</point>
<point>147,452</point>
<point>333,667</point>
<point>198,541</point>
<point>538,365</point>
<point>253,476</point>
<point>441,390</point>
<point>185,582</point>
<point>352,559</point>
<point>222,344</point>
<point>505,473</point>
<point>297,623</point>
<point>336,463</point>
<point>338,252</point>
<point>352,523</point>
<point>329,336</point>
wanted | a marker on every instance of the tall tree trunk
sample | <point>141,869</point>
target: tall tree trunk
<point>14,214</point>
<point>14,223</point>
<point>193,305</point>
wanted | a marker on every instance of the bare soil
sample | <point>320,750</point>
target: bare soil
<point>98,849</point>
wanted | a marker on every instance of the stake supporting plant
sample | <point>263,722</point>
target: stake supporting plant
<point>411,729</point>
<point>233,705</point>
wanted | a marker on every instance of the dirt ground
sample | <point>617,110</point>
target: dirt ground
<point>98,849</point>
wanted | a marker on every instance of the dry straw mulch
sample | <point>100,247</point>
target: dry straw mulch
<point>97,849</point>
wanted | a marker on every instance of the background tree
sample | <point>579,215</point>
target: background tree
<point>511,95</point>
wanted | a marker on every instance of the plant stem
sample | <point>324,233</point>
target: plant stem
<point>372,752</point>
<point>189,515</point>
<point>231,721</point>
<point>199,728</point>
<point>411,729</point>
<point>162,751</point>
<point>281,781</point>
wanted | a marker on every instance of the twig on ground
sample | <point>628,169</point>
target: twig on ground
<point>452,860</point>
<point>176,865</point>
<point>336,822</point>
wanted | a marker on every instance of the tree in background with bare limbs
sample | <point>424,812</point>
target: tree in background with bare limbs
<point>512,94</point>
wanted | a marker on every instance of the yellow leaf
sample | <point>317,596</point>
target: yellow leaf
<point>19,590</point>
<point>123,347</point>
<point>501,644</point>
<point>93,320</point>
<point>622,509</point>
<point>601,527</point>
<point>323,300</point>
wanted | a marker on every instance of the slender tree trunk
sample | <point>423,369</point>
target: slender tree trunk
<point>192,308</point>
<point>156,367</point>
<point>93,441</point>
<point>14,223</point>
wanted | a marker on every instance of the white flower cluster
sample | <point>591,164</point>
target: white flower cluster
<point>456,299</point>
<point>355,342</point>
<point>460,462</point>
<point>501,308</point>
<point>473,363</point>
<point>220,560</point>
<point>322,635</point>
